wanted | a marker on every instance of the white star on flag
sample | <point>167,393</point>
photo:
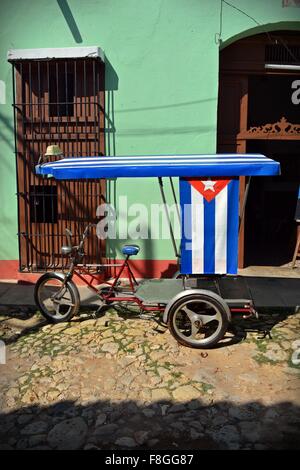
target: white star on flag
<point>209,185</point>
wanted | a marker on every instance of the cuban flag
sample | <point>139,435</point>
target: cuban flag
<point>209,224</point>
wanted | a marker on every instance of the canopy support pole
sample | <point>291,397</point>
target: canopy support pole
<point>174,197</point>
<point>161,186</point>
<point>243,206</point>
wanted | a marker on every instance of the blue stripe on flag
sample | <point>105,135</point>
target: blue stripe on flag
<point>209,236</point>
<point>232,226</point>
<point>186,227</point>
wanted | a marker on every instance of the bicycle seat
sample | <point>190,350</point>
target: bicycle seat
<point>129,250</point>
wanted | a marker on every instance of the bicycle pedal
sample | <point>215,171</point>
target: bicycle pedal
<point>147,316</point>
<point>96,312</point>
<point>265,334</point>
<point>118,289</point>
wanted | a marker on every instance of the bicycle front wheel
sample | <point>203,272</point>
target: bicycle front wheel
<point>56,300</point>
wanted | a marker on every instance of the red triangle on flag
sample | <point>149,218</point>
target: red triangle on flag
<point>209,187</point>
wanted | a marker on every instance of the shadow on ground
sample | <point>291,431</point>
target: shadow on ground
<point>163,425</point>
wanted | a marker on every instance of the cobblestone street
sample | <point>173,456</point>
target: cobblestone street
<point>121,382</point>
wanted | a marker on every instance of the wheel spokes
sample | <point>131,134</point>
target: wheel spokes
<point>194,330</point>
<point>59,294</point>
<point>196,322</point>
<point>208,318</point>
<point>59,302</point>
<point>59,305</point>
<point>191,315</point>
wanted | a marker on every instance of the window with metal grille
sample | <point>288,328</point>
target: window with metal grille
<point>280,54</point>
<point>61,94</point>
<point>43,204</point>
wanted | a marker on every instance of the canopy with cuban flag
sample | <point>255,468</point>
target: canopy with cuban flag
<point>209,197</point>
<point>160,165</point>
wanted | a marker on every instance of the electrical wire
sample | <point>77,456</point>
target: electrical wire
<point>273,40</point>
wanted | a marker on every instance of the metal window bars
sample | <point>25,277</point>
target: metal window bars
<point>56,102</point>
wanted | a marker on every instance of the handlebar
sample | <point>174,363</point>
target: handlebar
<point>83,236</point>
<point>69,237</point>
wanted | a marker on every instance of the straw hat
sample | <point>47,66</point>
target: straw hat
<point>53,150</point>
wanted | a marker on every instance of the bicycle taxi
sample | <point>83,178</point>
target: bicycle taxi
<point>198,304</point>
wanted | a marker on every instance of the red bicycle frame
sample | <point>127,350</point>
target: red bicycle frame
<point>88,278</point>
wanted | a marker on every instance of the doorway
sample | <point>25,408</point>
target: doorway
<point>259,112</point>
<point>270,228</point>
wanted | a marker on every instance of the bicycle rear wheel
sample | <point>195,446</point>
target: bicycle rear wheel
<point>56,300</point>
<point>198,320</point>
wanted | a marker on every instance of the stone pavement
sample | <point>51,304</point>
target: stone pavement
<point>120,381</point>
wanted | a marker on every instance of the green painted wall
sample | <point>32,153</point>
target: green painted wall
<point>161,77</point>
